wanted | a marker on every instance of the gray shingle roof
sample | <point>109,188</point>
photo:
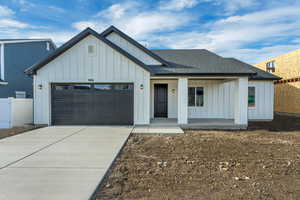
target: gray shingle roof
<point>204,62</point>
<point>260,74</point>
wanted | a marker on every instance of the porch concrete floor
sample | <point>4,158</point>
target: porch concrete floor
<point>170,126</point>
<point>212,124</point>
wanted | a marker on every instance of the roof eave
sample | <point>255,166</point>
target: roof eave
<point>267,79</point>
<point>203,74</point>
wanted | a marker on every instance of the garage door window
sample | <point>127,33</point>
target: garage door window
<point>62,87</point>
<point>103,86</point>
<point>123,87</point>
<point>82,87</point>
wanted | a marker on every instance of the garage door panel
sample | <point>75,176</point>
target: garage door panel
<point>92,104</point>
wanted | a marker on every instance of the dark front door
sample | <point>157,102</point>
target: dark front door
<point>92,104</point>
<point>160,100</point>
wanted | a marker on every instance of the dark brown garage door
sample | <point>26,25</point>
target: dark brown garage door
<point>92,104</point>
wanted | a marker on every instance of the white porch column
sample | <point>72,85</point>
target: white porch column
<point>241,101</point>
<point>182,101</point>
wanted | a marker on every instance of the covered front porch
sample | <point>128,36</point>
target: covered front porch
<point>199,102</point>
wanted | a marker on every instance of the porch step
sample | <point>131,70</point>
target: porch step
<point>213,127</point>
<point>150,129</point>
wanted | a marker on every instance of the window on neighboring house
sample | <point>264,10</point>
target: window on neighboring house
<point>48,46</point>
<point>270,66</point>
<point>20,94</point>
<point>1,63</point>
<point>251,96</point>
<point>196,96</point>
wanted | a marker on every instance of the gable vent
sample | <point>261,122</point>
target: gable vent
<point>91,49</point>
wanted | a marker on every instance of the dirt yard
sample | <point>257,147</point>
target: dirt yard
<point>252,164</point>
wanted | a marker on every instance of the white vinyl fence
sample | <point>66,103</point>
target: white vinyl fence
<point>15,112</point>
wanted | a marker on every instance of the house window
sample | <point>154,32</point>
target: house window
<point>196,96</point>
<point>48,46</point>
<point>20,94</point>
<point>270,66</point>
<point>251,96</point>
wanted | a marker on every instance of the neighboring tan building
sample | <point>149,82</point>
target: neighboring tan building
<point>287,90</point>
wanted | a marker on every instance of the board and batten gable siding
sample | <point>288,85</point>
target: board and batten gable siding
<point>105,65</point>
<point>264,101</point>
<point>131,49</point>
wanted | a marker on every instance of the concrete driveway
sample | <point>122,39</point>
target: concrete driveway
<point>62,162</point>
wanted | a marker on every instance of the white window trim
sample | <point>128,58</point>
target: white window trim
<point>20,94</point>
<point>47,46</point>
<point>255,96</point>
<point>2,77</point>
<point>195,88</point>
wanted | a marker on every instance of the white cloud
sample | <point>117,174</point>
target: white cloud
<point>256,55</point>
<point>234,5</point>
<point>232,35</point>
<point>5,11</point>
<point>25,5</point>
<point>9,23</point>
<point>56,9</point>
<point>59,37</point>
<point>98,26</point>
<point>231,6</point>
<point>145,23</point>
<point>134,21</point>
<point>116,11</point>
<point>177,4</point>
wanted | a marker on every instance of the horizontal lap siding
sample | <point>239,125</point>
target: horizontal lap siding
<point>105,65</point>
<point>264,101</point>
<point>218,99</point>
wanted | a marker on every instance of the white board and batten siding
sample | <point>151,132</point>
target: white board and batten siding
<point>219,100</point>
<point>131,49</point>
<point>104,65</point>
<point>264,101</point>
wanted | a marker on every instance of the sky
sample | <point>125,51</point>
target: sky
<point>249,30</point>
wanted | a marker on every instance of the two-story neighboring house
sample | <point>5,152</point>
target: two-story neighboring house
<point>15,56</point>
<point>287,90</point>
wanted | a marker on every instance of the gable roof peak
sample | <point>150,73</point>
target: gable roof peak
<point>88,31</point>
<point>126,37</point>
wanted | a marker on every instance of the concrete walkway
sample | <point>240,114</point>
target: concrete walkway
<point>63,162</point>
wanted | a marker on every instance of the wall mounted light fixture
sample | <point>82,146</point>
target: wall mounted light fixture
<point>40,86</point>
<point>141,86</point>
